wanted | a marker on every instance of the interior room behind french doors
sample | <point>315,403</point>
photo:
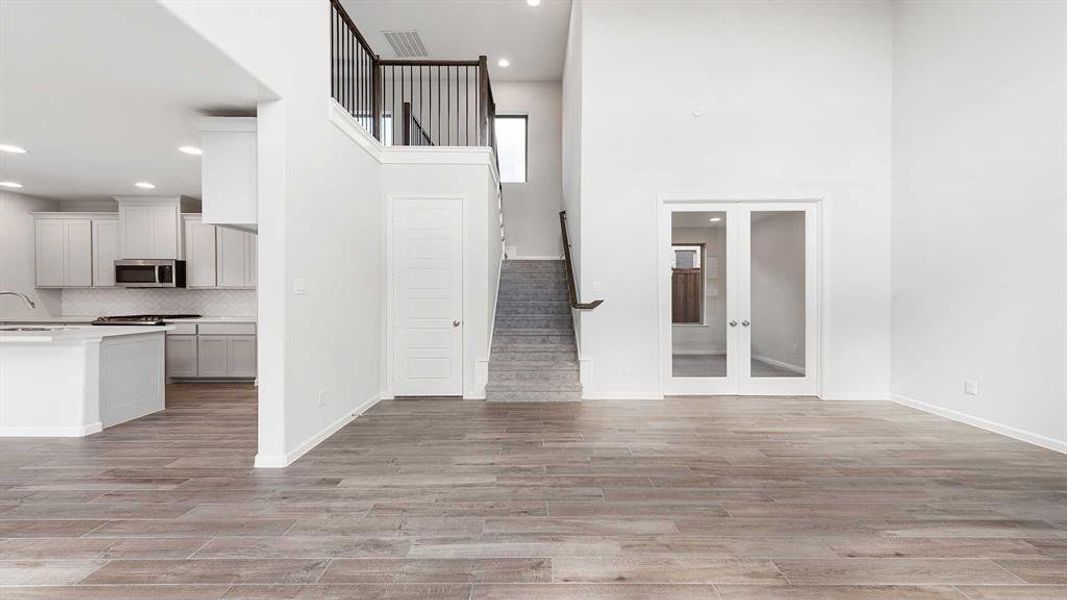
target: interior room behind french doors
<point>739,287</point>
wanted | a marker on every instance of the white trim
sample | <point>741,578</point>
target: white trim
<point>1005,430</point>
<point>410,155</point>
<point>278,461</point>
<point>651,395</point>
<point>780,364</point>
<point>80,431</point>
<point>857,397</point>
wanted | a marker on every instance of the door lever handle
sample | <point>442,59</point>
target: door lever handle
<point>745,323</point>
<point>733,323</point>
<point>455,323</point>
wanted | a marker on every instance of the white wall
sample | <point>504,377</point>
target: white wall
<point>793,100</point>
<point>708,337</point>
<point>531,209</point>
<point>978,217</point>
<point>17,250</point>
<point>778,298</point>
<point>320,223</point>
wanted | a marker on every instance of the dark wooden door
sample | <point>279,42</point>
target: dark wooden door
<point>686,290</point>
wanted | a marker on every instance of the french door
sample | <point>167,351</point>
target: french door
<point>739,297</point>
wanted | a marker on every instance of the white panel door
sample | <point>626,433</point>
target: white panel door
<point>105,251</point>
<point>427,252</point>
<point>79,268</point>
<point>51,248</point>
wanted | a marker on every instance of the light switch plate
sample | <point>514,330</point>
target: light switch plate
<point>970,388</point>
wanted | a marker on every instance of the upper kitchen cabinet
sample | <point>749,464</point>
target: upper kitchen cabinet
<point>151,227</point>
<point>236,258</point>
<point>229,171</point>
<point>200,240</point>
<point>75,249</point>
<point>105,249</point>
<point>64,251</point>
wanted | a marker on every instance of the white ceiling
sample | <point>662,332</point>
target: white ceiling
<point>534,39</point>
<point>101,94</point>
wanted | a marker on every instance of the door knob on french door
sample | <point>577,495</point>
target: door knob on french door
<point>733,323</point>
<point>745,323</point>
<point>455,323</point>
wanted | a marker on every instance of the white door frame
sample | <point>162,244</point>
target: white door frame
<point>732,384</point>
<point>389,325</point>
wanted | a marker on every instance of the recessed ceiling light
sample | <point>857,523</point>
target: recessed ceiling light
<point>715,219</point>
<point>144,185</point>
<point>190,150</point>
<point>12,149</point>
<point>10,184</point>
<point>533,2</point>
<point>503,62</point>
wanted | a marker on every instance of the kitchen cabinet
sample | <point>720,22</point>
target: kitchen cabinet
<point>212,351</point>
<point>229,171</point>
<point>235,258</point>
<point>241,356</point>
<point>212,356</point>
<point>149,230</point>
<point>181,356</point>
<point>200,239</point>
<point>105,250</point>
<point>64,256</point>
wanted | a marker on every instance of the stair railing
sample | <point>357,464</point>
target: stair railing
<point>572,288</point>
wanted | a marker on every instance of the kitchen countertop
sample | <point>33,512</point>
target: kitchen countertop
<point>86,320</point>
<point>77,333</point>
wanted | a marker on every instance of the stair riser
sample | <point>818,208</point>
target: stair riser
<point>503,339</point>
<point>537,310</point>
<point>562,355</point>
<point>534,397</point>
<point>560,323</point>
<point>532,366</point>
<point>533,387</point>
<point>571,377</point>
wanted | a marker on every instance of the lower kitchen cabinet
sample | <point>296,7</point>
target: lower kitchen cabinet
<point>212,351</point>
<point>181,356</point>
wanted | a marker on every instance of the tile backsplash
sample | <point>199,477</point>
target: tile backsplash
<point>122,301</point>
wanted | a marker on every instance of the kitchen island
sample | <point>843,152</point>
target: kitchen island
<point>75,380</point>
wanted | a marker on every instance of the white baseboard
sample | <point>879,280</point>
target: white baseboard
<point>82,431</point>
<point>858,396</point>
<point>780,364</point>
<point>277,461</point>
<point>1005,430</point>
<point>621,396</point>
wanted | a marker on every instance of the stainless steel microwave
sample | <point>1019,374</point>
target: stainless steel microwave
<point>150,273</point>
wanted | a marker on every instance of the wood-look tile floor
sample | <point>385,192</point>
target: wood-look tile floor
<point>731,498</point>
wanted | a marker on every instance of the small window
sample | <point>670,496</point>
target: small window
<point>687,284</point>
<point>511,148</point>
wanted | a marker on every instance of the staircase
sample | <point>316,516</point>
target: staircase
<point>534,356</point>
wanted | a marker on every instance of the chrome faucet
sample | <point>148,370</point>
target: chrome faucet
<point>24,297</point>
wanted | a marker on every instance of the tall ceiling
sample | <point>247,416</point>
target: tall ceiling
<point>533,39</point>
<point>101,94</point>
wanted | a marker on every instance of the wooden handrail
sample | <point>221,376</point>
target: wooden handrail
<point>572,288</point>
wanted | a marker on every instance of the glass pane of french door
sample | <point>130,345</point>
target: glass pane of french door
<point>698,294</point>
<point>777,294</point>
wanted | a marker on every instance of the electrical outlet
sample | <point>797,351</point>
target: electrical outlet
<point>624,370</point>
<point>970,387</point>
<point>300,286</point>
<point>322,399</point>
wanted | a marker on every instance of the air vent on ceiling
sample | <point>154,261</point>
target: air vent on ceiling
<point>406,44</point>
